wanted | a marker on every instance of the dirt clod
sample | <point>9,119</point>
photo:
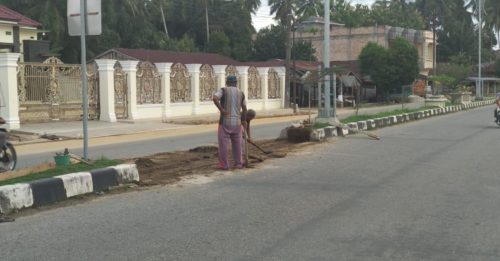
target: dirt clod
<point>204,149</point>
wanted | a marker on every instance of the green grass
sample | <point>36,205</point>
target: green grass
<point>319,125</point>
<point>60,170</point>
<point>365,117</point>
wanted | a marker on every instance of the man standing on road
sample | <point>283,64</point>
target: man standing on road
<point>233,110</point>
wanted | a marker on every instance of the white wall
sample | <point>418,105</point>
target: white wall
<point>26,34</point>
<point>170,109</point>
<point>4,38</point>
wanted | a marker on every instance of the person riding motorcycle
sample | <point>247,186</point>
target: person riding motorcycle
<point>497,102</point>
<point>3,135</point>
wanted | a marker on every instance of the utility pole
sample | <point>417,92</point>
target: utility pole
<point>288,52</point>
<point>334,108</point>
<point>85,101</point>
<point>294,83</point>
<point>328,113</point>
<point>206,21</point>
<point>326,57</point>
<point>84,19</point>
<point>479,86</point>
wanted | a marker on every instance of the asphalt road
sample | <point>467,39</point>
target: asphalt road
<point>147,147</point>
<point>428,190</point>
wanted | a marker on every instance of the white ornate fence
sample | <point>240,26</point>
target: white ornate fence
<point>129,89</point>
<point>187,89</point>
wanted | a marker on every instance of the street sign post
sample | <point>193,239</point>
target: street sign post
<point>93,18</point>
<point>81,25</point>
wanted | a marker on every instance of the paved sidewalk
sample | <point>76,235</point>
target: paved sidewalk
<point>73,130</point>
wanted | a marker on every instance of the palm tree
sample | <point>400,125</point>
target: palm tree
<point>307,8</point>
<point>492,9</point>
<point>250,5</point>
<point>52,14</point>
<point>381,3</point>
<point>281,9</point>
<point>434,13</point>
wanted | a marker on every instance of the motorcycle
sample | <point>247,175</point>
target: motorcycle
<point>497,115</point>
<point>8,155</point>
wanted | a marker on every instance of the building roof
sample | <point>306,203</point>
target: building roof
<point>158,56</point>
<point>11,15</point>
<point>162,56</point>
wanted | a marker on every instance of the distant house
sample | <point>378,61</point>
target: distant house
<point>16,28</point>
<point>347,43</point>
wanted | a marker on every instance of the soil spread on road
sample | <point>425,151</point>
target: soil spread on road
<point>170,167</point>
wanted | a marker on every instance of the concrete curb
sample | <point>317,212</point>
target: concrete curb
<point>46,191</point>
<point>378,123</point>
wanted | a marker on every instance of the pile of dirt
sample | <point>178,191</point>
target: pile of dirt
<point>298,135</point>
<point>169,167</point>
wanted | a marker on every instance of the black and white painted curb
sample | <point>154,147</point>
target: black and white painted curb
<point>376,123</point>
<point>46,191</point>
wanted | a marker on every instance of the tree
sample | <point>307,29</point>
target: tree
<point>492,9</point>
<point>303,50</point>
<point>374,62</point>
<point>186,44</point>
<point>250,5</point>
<point>459,73</point>
<point>281,9</point>
<point>403,57</point>
<point>270,43</point>
<point>308,8</point>
<point>219,43</point>
<point>497,68</point>
<point>390,68</point>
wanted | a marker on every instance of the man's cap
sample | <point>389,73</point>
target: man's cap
<point>231,78</point>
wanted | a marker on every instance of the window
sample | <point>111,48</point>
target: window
<point>8,32</point>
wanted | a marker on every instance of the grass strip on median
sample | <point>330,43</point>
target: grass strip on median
<point>364,117</point>
<point>61,170</point>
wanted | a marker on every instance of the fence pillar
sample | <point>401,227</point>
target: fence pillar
<point>130,68</point>
<point>243,71</point>
<point>8,90</point>
<point>194,72</point>
<point>281,73</point>
<point>165,69</point>
<point>264,84</point>
<point>220,72</point>
<point>107,89</point>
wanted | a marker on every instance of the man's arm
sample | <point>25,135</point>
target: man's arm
<point>244,114</point>
<point>216,99</point>
<point>249,136</point>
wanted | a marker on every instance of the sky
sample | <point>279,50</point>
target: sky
<point>262,18</point>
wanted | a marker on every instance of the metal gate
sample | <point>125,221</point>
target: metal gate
<point>52,90</point>
<point>148,84</point>
<point>121,90</point>
<point>93,91</point>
